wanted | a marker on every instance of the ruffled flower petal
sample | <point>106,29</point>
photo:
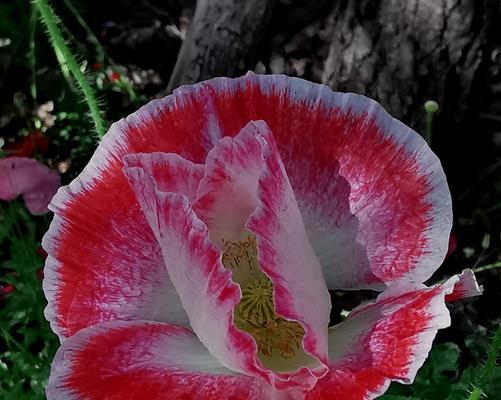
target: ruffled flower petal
<point>467,286</point>
<point>246,188</point>
<point>398,192</point>
<point>139,360</point>
<point>26,177</point>
<point>383,341</point>
<point>104,262</point>
<point>244,191</point>
<point>205,287</point>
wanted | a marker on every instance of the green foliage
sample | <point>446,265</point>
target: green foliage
<point>27,344</point>
<point>486,377</point>
<point>441,378</point>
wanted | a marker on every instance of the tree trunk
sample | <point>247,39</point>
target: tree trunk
<point>222,40</point>
<point>404,52</point>
<point>399,52</point>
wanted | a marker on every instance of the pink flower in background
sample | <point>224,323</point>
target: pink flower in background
<point>192,257</point>
<point>26,177</point>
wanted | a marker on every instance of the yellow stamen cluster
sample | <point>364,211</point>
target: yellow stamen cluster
<point>255,313</point>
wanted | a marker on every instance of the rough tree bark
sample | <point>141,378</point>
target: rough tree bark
<point>399,52</point>
<point>404,52</point>
<point>222,40</point>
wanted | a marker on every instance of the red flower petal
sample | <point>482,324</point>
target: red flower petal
<point>387,340</point>
<point>40,274</point>
<point>399,193</point>
<point>104,262</point>
<point>465,287</point>
<point>144,360</point>
<point>126,279</point>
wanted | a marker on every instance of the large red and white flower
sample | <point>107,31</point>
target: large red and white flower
<point>192,257</point>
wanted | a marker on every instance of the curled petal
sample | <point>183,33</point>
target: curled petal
<point>467,286</point>
<point>285,253</point>
<point>170,172</point>
<point>383,341</point>
<point>207,293</point>
<point>26,177</point>
<point>139,360</point>
<point>399,207</point>
<point>246,188</point>
<point>227,194</point>
<point>104,263</point>
<point>248,169</point>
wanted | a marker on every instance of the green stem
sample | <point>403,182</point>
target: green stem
<point>491,358</point>
<point>429,127</point>
<point>487,267</point>
<point>475,394</point>
<point>431,107</point>
<point>50,20</point>
<point>64,69</point>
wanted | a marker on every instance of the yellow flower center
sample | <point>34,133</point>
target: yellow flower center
<point>276,337</point>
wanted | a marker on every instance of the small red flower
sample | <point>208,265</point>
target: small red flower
<point>7,289</point>
<point>29,145</point>
<point>114,76</point>
<point>96,66</point>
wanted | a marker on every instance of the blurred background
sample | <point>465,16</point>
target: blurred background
<point>402,53</point>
